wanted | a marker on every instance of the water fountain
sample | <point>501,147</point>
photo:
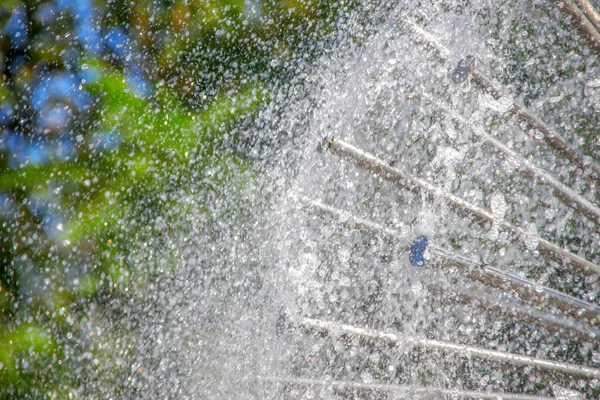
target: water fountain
<point>435,234</point>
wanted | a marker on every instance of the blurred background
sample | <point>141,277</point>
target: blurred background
<point>107,107</point>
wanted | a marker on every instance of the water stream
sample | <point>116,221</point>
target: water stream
<point>234,320</point>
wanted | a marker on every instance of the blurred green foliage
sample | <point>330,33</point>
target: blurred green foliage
<point>153,91</point>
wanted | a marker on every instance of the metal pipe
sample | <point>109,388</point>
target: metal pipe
<point>512,308</point>
<point>550,137</point>
<point>590,12</point>
<point>565,194</point>
<point>517,235</point>
<point>403,391</point>
<point>527,290</point>
<point>591,170</point>
<point>578,309</point>
<point>352,221</point>
<point>425,39</point>
<point>585,20</point>
<point>330,327</point>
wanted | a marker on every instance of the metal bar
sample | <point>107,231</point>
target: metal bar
<point>585,20</point>
<point>404,392</point>
<point>514,359</point>
<point>527,290</point>
<point>560,145</point>
<point>513,308</point>
<point>590,12</point>
<point>331,327</point>
<point>591,170</point>
<point>578,309</point>
<point>565,194</point>
<point>352,221</point>
<point>424,38</point>
<point>517,235</point>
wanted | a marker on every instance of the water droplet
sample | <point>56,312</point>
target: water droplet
<point>531,238</point>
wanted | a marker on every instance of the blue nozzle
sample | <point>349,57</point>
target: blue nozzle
<point>463,69</point>
<point>417,251</point>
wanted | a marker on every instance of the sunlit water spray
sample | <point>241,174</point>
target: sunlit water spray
<point>310,291</point>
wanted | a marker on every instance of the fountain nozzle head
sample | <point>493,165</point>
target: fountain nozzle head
<point>463,69</point>
<point>418,248</point>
